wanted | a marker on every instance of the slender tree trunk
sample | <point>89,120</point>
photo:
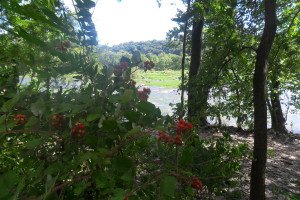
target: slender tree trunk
<point>278,120</point>
<point>183,59</point>
<point>194,66</point>
<point>257,187</point>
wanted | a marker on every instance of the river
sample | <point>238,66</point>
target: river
<point>162,97</point>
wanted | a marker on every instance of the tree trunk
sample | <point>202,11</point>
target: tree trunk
<point>194,66</point>
<point>257,185</point>
<point>277,118</point>
<point>181,114</point>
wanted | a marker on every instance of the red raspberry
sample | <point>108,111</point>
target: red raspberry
<point>143,96</point>
<point>183,126</point>
<point>177,140</point>
<point>164,137</point>
<point>147,91</point>
<point>197,184</point>
<point>21,119</point>
<point>161,136</point>
<point>78,130</point>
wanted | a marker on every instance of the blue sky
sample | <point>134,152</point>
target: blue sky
<point>133,20</point>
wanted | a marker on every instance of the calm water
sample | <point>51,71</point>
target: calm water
<point>162,97</point>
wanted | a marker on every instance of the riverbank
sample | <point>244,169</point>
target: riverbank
<point>283,163</point>
<point>167,78</point>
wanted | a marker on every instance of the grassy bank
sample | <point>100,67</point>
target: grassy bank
<point>167,78</point>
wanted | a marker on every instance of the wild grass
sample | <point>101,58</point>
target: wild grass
<point>167,78</point>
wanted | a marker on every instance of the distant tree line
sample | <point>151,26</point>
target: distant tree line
<point>165,55</point>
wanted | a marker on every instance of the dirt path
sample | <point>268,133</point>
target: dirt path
<point>283,166</point>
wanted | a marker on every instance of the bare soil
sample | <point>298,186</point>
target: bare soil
<point>283,164</point>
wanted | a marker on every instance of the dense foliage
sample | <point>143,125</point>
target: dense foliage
<point>74,128</point>
<point>231,34</point>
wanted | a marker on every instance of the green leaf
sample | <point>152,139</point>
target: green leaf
<point>127,96</point>
<point>127,176</point>
<point>92,117</point>
<point>31,39</point>
<point>50,183</point>
<point>122,164</point>
<point>187,156</point>
<point>119,194</point>
<point>19,189</point>
<point>100,180</point>
<point>146,107</point>
<point>168,186</point>
<point>80,187</point>
<point>31,122</point>
<point>132,116</point>
<point>34,143</point>
<point>2,119</point>
<point>133,131</point>
<point>110,125</point>
<point>8,105</point>
<point>7,183</point>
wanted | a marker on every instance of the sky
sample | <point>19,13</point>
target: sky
<point>133,20</point>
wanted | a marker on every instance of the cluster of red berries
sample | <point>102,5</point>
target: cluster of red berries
<point>57,120</point>
<point>183,126</point>
<point>78,130</point>
<point>63,46</point>
<point>143,95</point>
<point>120,68</point>
<point>21,119</point>
<point>148,65</point>
<point>164,137</point>
<point>197,184</point>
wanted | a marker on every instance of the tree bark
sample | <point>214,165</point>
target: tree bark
<point>194,65</point>
<point>277,118</point>
<point>257,184</point>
